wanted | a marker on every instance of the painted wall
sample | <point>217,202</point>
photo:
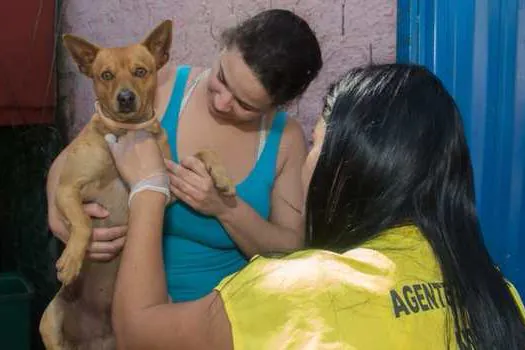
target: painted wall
<point>347,30</point>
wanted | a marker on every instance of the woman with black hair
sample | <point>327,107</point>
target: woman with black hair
<point>395,256</point>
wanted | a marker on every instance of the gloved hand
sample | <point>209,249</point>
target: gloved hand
<point>139,161</point>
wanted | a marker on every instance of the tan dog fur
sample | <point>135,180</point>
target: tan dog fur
<point>79,316</point>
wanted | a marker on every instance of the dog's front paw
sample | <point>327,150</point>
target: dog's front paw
<point>217,171</point>
<point>69,265</point>
<point>222,181</point>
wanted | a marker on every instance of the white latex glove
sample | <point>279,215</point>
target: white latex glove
<point>139,161</point>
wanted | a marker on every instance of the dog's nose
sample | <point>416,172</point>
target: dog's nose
<point>126,100</point>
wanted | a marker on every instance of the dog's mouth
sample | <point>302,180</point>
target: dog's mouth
<point>126,114</point>
<point>126,107</point>
<point>126,110</point>
<point>131,116</point>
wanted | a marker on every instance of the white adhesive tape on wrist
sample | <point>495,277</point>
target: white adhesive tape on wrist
<point>158,183</point>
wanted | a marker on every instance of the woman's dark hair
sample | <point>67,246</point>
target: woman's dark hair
<point>281,49</point>
<point>395,153</point>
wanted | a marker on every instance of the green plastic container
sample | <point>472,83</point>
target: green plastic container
<point>15,312</point>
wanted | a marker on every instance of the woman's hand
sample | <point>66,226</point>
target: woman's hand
<point>106,242</point>
<point>139,162</point>
<point>191,183</point>
<point>136,155</point>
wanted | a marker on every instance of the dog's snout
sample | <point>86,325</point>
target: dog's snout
<point>126,100</point>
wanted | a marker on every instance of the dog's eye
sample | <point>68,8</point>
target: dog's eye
<point>140,72</point>
<point>106,75</point>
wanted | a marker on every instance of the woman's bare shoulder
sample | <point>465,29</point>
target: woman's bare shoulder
<point>167,74</point>
<point>166,81</point>
<point>293,144</point>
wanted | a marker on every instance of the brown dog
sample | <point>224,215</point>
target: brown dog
<point>125,81</point>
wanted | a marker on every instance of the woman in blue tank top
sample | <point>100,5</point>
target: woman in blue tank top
<point>233,108</point>
<point>198,252</point>
<point>204,238</point>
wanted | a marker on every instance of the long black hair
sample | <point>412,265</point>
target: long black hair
<point>396,153</point>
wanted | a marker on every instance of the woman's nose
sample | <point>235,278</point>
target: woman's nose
<point>223,101</point>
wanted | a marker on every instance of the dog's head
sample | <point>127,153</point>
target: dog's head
<point>124,78</point>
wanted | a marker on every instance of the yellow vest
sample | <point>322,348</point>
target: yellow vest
<point>386,294</point>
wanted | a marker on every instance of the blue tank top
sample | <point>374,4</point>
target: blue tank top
<point>198,252</point>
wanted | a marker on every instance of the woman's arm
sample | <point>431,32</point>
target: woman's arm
<point>142,316</point>
<point>284,231</point>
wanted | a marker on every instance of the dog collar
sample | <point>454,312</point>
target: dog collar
<point>112,124</point>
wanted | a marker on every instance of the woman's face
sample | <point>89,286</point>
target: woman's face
<point>234,92</point>
<point>312,158</point>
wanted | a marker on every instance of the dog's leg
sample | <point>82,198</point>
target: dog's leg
<point>164,145</point>
<point>162,139</point>
<point>217,171</point>
<point>87,166</point>
<point>69,203</point>
<point>51,325</point>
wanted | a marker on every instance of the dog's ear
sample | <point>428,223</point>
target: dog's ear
<point>158,42</point>
<point>82,51</point>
